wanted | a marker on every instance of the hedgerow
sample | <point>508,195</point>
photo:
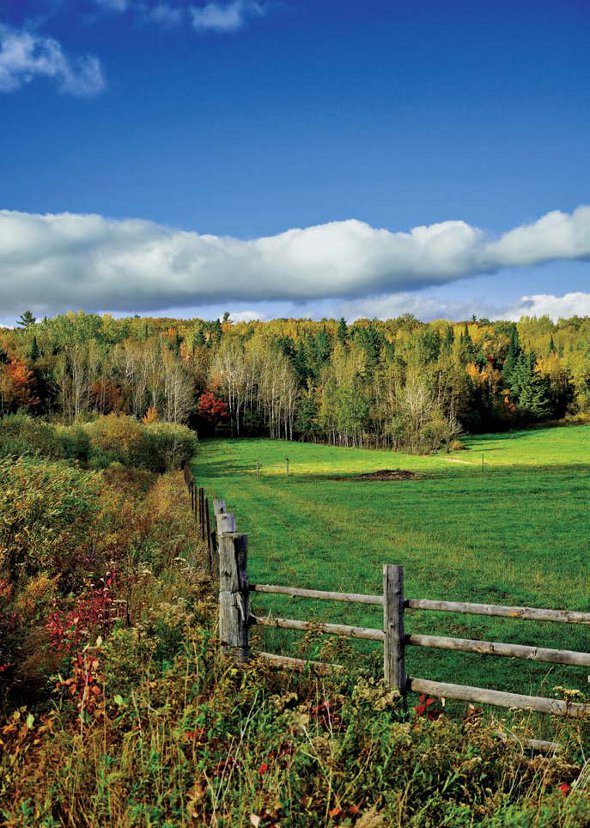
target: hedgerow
<point>113,438</point>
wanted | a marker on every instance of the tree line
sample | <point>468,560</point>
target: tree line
<point>399,383</point>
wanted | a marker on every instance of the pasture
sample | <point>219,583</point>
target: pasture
<point>511,530</point>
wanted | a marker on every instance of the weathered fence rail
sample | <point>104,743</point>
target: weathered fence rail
<point>235,621</point>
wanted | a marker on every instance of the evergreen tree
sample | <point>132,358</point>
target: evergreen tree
<point>468,350</point>
<point>26,319</point>
<point>512,355</point>
<point>34,352</point>
<point>528,389</point>
<point>198,338</point>
<point>321,350</point>
<point>217,330</point>
<point>306,419</point>
<point>448,339</point>
<point>300,360</point>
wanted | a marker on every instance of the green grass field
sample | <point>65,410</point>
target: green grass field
<point>513,531</point>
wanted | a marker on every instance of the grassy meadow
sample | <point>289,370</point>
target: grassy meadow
<point>505,521</point>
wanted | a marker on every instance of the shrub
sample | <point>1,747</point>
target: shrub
<point>166,446</point>
<point>75,442</point>
<point>114,438</point>
<point>158,446</point>
<point>21,435</point>
<point>47,513</point>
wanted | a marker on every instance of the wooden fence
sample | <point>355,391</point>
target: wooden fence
<point>229,549</point>
<point>201,510</point>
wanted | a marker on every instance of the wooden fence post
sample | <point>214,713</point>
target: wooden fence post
<point>226,524</point>
<point>209,536</point>
<point>218,509</point>
<point>234,594</point>
<point>394,666</point>
<point>202,512</point>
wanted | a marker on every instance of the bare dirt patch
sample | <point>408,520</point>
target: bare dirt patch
<point>383,474</point>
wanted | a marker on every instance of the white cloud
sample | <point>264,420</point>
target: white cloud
<point>246,316</point>
<point>225,17</point>
<point>432,307</point>
<point>556,235</point>
<point>25,56</point>
<point>556,307</point>
<point>389,306</point>
<point>52,262</point>
<point>213,15</point>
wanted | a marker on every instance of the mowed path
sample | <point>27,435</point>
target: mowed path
<point>513,529</point>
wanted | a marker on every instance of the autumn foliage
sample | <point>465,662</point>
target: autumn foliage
<point>17,387</point>
<point>212,409</point>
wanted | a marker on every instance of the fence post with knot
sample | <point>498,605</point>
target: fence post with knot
<point>234,589</point>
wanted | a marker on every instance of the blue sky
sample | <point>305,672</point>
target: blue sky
<point>245,119</point>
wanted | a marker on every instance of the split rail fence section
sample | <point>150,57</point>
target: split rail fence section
<point>229,549</point>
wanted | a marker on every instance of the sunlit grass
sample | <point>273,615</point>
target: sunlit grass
<point>514,530</point>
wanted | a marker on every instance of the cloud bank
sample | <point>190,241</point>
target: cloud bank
<point>433,307</point>
<point>51,262</point>
<point>25,55</point>
<point>543,304</point>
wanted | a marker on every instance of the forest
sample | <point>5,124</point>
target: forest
<point>399,383</point>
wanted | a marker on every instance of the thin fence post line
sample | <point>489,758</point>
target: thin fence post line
<point>234,595</point>
<point>394,667</point>
<point>209,537</point>
<point>202,522</point>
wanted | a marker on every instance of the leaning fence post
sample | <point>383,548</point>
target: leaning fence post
<point>394,665</point>
<point>234,604</point>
